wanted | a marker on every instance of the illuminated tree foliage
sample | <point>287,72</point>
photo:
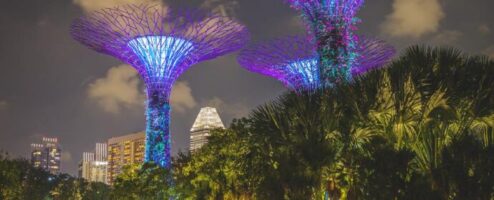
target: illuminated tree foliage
<point>331,24</point>
<point>421,129</point>
<point>294,60</point>
<point>160,43</point>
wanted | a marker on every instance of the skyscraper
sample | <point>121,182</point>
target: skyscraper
<point>93,166</point>
<point>47,155</point>
<point>124,150</point>
<point>207,120</point>
<point>85,165</point>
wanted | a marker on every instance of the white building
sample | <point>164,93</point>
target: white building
<point>207,120</point>
<point>94,166</point>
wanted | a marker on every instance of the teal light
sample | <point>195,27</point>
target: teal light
<point>307,70</point>
<point>160,54</point>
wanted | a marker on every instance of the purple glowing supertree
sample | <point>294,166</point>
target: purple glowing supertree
<point>291,60</point>
<point>332,23</point>
<point>295,62</point>
<point>160,44</point>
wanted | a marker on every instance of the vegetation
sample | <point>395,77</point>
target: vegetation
<point>19,181</point>
<point>423,128</point>
<point>420,129</point>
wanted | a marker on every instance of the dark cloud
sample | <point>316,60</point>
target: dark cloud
<point>46,75</point>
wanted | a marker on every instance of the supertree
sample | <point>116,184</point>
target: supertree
<point>160,43</point>
<point>332,23</point>
<point>294,60</point>
<point>291,60</point>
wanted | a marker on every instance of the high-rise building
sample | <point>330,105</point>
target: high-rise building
<point>93,166</point>
<point>207,120</point>
<point>85,165</point>
<point>124,150</point>
<point>47,155</point>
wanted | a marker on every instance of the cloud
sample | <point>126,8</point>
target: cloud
<point>224,7</point>
<point>490,51</point>
<point>181,97</point>
<point>484,29</point>
<point>119,89</point>
<point>92,5</point>
<point>232,110</point>
<point>413,18</point>
<point>447,37</point>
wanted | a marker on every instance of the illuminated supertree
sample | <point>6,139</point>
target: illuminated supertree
<point>160,44</point>
<point>295,62</point>
<point>331,24</point>
<point>291,60</point>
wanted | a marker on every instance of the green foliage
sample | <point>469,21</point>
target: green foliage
<point>385,136</point>
<point>19,180</point>
<point>148,181</point>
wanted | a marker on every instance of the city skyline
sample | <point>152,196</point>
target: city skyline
<point>51,86</point>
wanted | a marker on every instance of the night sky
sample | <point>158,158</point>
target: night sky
<point>52,86</point>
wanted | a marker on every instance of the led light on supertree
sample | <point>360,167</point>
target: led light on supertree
<point>332,24</point>
<point>160,43</point>
<point>295,62</point>
<point>290,60</point>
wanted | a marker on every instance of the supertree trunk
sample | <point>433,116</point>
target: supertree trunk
<point>158,140</point>
<point>336,46</point>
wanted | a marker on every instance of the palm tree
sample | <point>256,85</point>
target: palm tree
<point>429,97</point>
<point>340,139</point>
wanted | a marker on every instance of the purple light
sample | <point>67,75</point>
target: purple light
<point>331,24</point>
<point>294,60</point>
<point>291,60</point>
<point>160,44</point>
<point>372,54</point>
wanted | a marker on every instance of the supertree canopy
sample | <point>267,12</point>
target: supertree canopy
<point>295,62</point>
<point>291,60</point>
<point>332,24</point>
<point>160,44</point>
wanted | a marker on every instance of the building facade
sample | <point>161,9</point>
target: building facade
<point>85,165</point>
<point>207,120</point>
<point>124,150</point>
<point>47,155</point>
<point>94,166</point>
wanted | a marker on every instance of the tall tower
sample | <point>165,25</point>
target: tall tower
<point>47,155</point>
<point>207,120</point>
<point>161,44</point>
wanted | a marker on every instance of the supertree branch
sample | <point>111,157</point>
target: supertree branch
<point>295,62</point>
<point>160,43</point>
<point>372,54</point>
<point>291,60</point>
